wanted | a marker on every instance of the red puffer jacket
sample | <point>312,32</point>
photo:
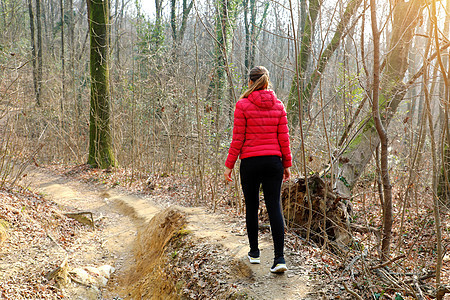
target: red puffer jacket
<point>260,128</point>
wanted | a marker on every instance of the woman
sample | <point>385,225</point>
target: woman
<point>261,140</point>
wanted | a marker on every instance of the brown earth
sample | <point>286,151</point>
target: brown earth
<point>162,251</point>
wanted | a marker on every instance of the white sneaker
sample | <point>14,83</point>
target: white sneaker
<point>254,260</point>
<point>279,266</point>
<point>253,257</point>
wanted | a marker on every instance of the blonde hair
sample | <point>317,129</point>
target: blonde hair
<point>260,77</point>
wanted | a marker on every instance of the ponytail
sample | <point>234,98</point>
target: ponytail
<point>260,78</point>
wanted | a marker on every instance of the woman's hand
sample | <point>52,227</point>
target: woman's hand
<point>286,174</point>
<point>227,174</point>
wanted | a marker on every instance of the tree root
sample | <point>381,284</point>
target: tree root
<point>328,209</point>
<point>82,218</point>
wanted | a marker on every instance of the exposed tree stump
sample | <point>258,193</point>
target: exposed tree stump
<point>338,211</point>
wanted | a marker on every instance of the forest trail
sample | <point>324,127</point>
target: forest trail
<point>121,215</point>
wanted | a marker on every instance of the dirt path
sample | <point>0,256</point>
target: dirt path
<point>120,214</point>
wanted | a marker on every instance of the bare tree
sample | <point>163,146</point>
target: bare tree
<point>100,142</point>
<point>387,188</point>
<point>63,71</point>
<point>303,59</point>
<point>178,30</point>
<point>443,188</point>
<point>252,30</point>
<point>308,86</point>
<point>39,52</point>
<point>357,154</point>
<point>437,218</point>
<point>225,17</point>
<point>158,29</point>
<point>33,52</point>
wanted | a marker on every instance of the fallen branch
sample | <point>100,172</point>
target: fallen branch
<point>421,278</point>
<point>15,68</point>
<point>419,294</point>
<point>349,267</point>
<point>364,229</point>
<point>390,279</point>
<point>354,294</point>
<point>387,262</point>
<point>55,241</point>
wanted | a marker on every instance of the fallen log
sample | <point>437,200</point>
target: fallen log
<point>328,208</point>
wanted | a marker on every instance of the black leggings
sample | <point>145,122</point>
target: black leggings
<point>268,171</point>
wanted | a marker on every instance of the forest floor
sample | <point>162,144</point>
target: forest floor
<point>148,238</point>
<point>157,247</point>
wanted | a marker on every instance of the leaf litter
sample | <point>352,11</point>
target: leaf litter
<point>38,238</point>
<point>330,273</point>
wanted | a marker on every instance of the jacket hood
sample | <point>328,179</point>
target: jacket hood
<point>263,98</point>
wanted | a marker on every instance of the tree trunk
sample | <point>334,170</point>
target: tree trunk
<point>247,42</point>
<point>387,188</point>
<point>100,141</point>
<point>221,50</point>
<point>39,52</point>
<point>62,61</point>
<point>173,21</point>
<point>3,9</point>
<point>158,35</point>
<point>186,10</point>
<point>252,31</point>
<point>52,32</point>
<point>307,87</point>
<point>71,47</point>
<point>443,188</point>
<point>178,34</point>
<point>444,177</point>
<point>358,152</point>
<point>308,90</point>
<point>436,208</point>
<point>226,11</point>
<point>158,6</point>
<point>33,51</point>
<point>253,38</point>
<point>303,59</point>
